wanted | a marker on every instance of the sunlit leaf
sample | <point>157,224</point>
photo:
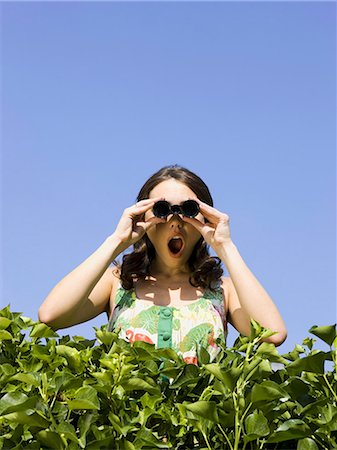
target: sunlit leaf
<point>326,333</point>
<point>4,323</point>
<point>205,409</point>
<point>72,356</point>
<point>290,429</point>
<point>267,391</point>
<point>311,363</point>
<point>51,439</point>
<point>139,384</point>
<point>256,425</point>
<point>27,417</point>
<point>306,444</point>
<point>85,398</point>
<point>5,335</point>
<point>42,330</point>
<point>16,401</point>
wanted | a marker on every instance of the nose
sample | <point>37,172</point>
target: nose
<point>175,221</point>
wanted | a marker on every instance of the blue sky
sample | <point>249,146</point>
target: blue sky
<point>98,96</point>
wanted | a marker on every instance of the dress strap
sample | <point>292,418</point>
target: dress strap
<point>123,296</point>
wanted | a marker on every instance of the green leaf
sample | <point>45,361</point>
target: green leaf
<point>150,401</point>
<point>41,352</point>
<point>297,387</point>
<point>16,401</point>
<point>31,379</point>
<point>106,337</point>
<point>228,377</point>
<point>85,398</point>
<point>6,370</point>
<point>294,354</point>
<point>136,384</point>
<point>268,351</point>
<point>203,355</point>
<point>326,333</point>
<point>85,423</point>
<point>72,356</point>
<point>205,409</point>
<point>306,444</point>
<point>189,375</point>
<point>28,322</point>
<point>42,330</point>
<point>290,429</point>
<point>256,426</point>
<point>311,363</point>
<point>328,418</point>
<point>255,329</point>
<point>28,417</point>
<point>5,335</point>
<point>67,431</point>
<point>4,323</point>
<point>66,380</point>
<point>146,439</point>
<point>227,419</point>
<point>6,312</point>
<point>109,363</point>
<point>51,439</point>
<point>127,445</point>
<point>268,391</point>
<point>308,342</point>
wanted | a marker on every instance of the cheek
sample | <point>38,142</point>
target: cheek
<point>154,233</point>
<point>194,235</point>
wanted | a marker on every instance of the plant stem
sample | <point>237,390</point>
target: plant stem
<point>320,444</point>
<point>245,413</point>
<point>207,443</point>
<point>226,437</point>
<point>237,423</point>
<point>329,386</point>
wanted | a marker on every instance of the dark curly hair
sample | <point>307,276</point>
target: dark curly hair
<point>205,269</point>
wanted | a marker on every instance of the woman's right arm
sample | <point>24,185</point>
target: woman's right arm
<point>85,292</point>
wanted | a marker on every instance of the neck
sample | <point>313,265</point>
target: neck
<point>160,269</point>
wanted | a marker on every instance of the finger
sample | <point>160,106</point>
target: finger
<point>142,206</point>
<point>212,213</point>
<point>147,201</point>
<point>195,222</point>
<point>151,222</point>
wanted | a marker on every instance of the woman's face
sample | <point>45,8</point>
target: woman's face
<point>174,239</point>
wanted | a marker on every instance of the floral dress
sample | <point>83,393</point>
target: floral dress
<point>199,323</point>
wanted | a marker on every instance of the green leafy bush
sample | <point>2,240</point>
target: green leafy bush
<point>72,393</point>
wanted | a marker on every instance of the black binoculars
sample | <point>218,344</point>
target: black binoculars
<point>189,208</point>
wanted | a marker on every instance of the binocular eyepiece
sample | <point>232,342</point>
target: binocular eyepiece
<point>189,208</point>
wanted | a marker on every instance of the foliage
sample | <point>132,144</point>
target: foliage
<point>62,393</point>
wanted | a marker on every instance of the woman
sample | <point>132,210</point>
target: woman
<point>169,291</point>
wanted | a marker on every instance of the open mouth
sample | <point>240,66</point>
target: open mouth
<point>176,245</point>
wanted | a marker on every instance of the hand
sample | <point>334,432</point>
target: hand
<point>132,226</point>
<point>216,231</point>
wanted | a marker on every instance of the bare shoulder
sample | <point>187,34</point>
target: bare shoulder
<point>115,282</point>
<point>226,285</point>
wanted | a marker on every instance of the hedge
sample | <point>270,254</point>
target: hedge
<point>73,393</point>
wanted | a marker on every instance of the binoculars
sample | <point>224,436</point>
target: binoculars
<point>189,208</point>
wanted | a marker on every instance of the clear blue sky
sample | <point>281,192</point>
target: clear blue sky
<point>98,96</point>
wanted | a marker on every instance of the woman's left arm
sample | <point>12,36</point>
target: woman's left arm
<point>246,297</point>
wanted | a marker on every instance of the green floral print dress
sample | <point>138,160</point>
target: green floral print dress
<point>200,323</point>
